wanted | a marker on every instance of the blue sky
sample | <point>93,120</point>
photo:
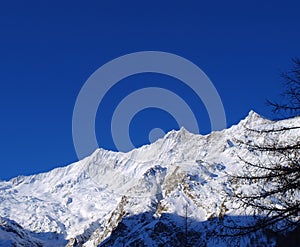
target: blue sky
<point>48,49</point>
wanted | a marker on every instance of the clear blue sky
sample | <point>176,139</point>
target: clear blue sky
<point>48,49</point>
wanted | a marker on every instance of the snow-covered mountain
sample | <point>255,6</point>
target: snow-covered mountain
<point>150,196</point>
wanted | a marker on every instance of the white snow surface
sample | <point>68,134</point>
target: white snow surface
<point>87,199</point>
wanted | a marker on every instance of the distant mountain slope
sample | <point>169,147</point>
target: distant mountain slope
<point>164,194</point>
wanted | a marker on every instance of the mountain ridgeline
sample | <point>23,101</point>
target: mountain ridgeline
<point>174,192</point>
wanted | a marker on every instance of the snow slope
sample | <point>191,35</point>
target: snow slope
<point>140,198</point>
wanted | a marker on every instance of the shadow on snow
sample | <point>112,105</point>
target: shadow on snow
<point>173,230</point>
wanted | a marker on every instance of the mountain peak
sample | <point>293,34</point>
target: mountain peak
<point>118,197</point>
<point>181,132</point>
<point>252,115</point>
<point>254,119</point>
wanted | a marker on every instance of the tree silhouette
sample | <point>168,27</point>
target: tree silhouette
<point>271,167</point>
<point>290,98</point>
<point>272,174</point>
